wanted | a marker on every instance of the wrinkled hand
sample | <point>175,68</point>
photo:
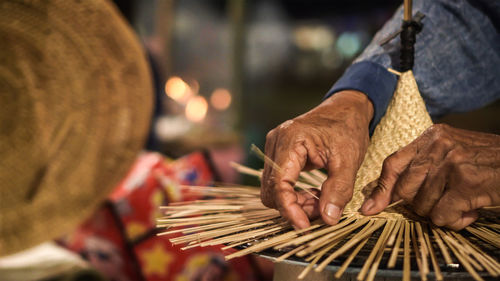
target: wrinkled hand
<point>446,174</point>
<point>334,136</point>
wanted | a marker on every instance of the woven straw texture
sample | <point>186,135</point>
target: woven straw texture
<point>406,118</point>
<point>75,108</point>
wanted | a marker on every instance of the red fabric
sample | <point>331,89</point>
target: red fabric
<point>120,241</point>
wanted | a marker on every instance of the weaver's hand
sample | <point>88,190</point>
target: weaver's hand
<point>446,174</point>
<point>334,136</point>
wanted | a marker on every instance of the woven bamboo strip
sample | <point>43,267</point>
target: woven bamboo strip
<point>353,241</point>
<point>406,259</point>
<point>435,266</point>
<point>348,261</point>
<point>395,250</point>
<point>378,249</point>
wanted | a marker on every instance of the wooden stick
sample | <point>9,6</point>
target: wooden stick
<point>435,266</point>
<point>406,259</point>
<point>395,250</point>
<point>423,276</point>
<point>353,241</point>
<point>310,236</point>
<point>316,259</point>
<point>319,175</point>
<point>442,247</point>
<point>460,257</point>
<point>380,252</point>
<point>290,253</point>
<point>377,250</point>
<point>480,257</point>
<point>423,249</point>
<point>348,261</point>
<point>407,10</point>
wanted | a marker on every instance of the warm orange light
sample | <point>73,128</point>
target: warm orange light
<point>176,88</point>
<point>196,109</point>
<point>220,99</point>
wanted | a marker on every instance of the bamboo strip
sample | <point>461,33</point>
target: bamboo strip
<point>289,253</point>
<point>477,255</point>
<point>494,264</point>
<point>423,276</point>
<point>442,247</point>
<point>271,242</point>
<point>392,237</point>
<point>316,259</point>
<point>355,239</point>
<point>315,244</point>
<point>435,266</point>
<point>377,250</point>
<point>319,175</point>
<point>423,249</point>
<point>310,236</point>
<point>460,257</point>
<point>406,259</point>
<point>348,261</point>
<point>465,254</point>
<point>395,250</point>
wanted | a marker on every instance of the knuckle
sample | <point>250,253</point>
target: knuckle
<point>404,194</point>
<point>420,211</point>
<point>270,135</point>
<point>266,199</point>
<point>438,133</point>
<point>389,163</point>
<point>455,156</point>
<point>438,219</point>
<point>344,192</point>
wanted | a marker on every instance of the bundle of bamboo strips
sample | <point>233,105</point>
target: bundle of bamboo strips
<point>235,217</point>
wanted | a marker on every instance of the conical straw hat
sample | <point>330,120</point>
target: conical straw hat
<point>406,118</point>
<point>75,98</point>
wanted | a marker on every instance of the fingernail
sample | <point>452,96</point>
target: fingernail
<point>332,211</point>
<point>369,204</point>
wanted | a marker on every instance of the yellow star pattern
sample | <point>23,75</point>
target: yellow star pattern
<point>134,229</point>
<point>156,260</point>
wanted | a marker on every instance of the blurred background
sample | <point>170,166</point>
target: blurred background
<point>228,71</point>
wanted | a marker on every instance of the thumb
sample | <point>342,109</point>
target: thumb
<point>336,192</point>
<point>393,167</point>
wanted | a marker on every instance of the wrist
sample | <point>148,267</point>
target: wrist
<point>357,102</point>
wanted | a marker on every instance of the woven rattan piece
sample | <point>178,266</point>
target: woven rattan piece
<point>406,119</point>
<point>75,108</point>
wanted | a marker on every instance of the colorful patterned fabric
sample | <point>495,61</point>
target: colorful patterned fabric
<point>120,238</point>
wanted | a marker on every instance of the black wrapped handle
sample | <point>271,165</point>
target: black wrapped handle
<point>408,38</point>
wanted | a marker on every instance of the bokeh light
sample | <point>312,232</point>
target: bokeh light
<point>177,89</point>
<point>220,99</point>
<point>349,44</point>
<point>196,109</point>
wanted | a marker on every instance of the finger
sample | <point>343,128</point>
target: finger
<point>464,220</point>
<point>410,181</point>
<point>337,190</point>
<point>448,209</point>
<point>430,192</point>
<point>392,168</point>
<point>309,204</point>
<point>291,210</point>
<point>268,180</point>
<point>291,162</point>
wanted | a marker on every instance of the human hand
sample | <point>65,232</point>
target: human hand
<point>446,174</point>
<point>334,136</point>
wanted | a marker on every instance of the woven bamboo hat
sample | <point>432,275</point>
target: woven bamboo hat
<point>75,99</point>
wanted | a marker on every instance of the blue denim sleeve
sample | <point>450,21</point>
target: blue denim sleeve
<point>457,58</point>
<point>373,80</point>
